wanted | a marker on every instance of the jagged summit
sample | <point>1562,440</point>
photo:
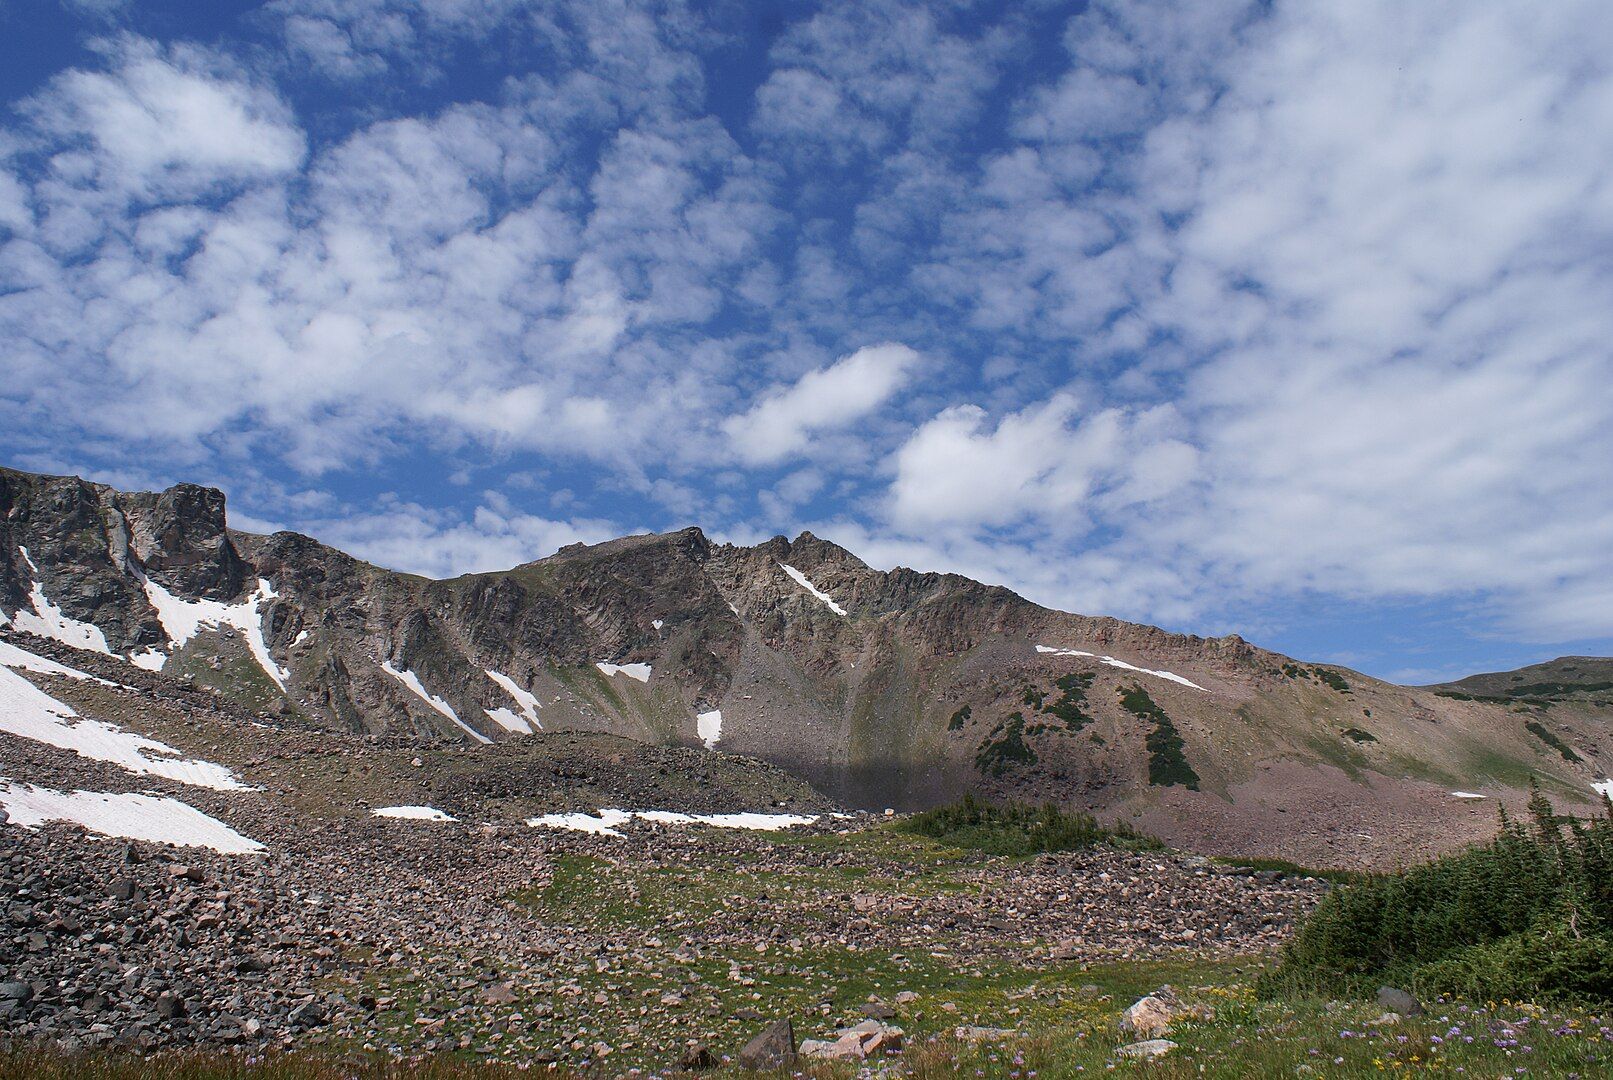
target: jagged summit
<point>882,687</point>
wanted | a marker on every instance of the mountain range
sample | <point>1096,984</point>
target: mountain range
<point>879,688</point>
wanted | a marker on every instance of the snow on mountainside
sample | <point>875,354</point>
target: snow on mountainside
<point>883,688</point>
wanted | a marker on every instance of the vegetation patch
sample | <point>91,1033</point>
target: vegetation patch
<point>1355,734</point>
<point>1019,829</point>
<point>1547,736</point>
<point>1528,916</point>
<point>1005,748</point>
<point>1332,678</point>
<point>1167,757</point>
<point>1072,695</point>
<point>959,718</point>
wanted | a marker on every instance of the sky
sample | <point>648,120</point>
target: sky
<point>1292,320</point>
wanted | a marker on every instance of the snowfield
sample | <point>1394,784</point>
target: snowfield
<point>48,620</point>
<point>412,681</point>
<point>708,725</point>
<point>801,580</point>
<point>607,821</point>
<point>183,619</point>
<point>641,672</point>
<point>129,817</point>
<point>30,713</point>
<point>1121,664</point>
<point>528,720</point>
<point>412,813</point>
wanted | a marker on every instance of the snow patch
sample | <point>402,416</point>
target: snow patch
<point>801,580</point>
<point>183,619</point>
<point>657,623</point>
<point>709,726</point>
<point>48,620</point>
<point>30,713</point>
<point>607,821</point>
<point>13,656</point>
<point>735,610</point>
<point>603,825</point>
<point>412,681</point>
<point>1121,664</point>
<point>131,817</point>
<point>412,813</point>
<point>1467,795</point>
<point>507,720</point>
<point>524,698</point>
<point>641,672</point>
<point>302,636</point>
<point>151,660</point>
<point>1605,787</point>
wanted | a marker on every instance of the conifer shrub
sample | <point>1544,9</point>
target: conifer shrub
<point>1529,914</point>
<point>1019,829</point>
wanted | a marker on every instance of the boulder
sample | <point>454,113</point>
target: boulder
<point>1398,1001</point>
<point>1153,1015</point>
<point>1148,1048</point>
<point>695,1057</point>
<point>772,1048</point>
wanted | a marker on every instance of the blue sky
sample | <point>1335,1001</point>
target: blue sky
<point>1284,319</point>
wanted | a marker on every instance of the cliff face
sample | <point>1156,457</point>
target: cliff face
<point>886,688</point>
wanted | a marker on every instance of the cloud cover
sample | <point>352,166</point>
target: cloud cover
<point>1184,314</point>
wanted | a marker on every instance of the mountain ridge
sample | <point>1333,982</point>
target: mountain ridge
<point>900,688</point>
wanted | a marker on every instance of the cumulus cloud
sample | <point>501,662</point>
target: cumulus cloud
<point>782,423</point>
<point>1228,302</point>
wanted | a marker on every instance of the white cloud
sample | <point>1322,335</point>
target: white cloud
<point>167,125</point>
<point>439,544</point>
<point>782,423</point>
<point>1378,309</point>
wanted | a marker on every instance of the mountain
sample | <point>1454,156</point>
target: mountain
<point>897,688</point>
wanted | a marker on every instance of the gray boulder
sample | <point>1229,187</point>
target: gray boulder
<point>1398,1001</point>
<point>772,1049</point>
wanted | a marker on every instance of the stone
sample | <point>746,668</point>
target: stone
<point>121,889</point>
<point>307,1015</point>
<point>695,1057</point>
<point>772,1048</point>
<point>1152,1016</point>
<point>16,991</point>
<point>879,1010</point>
<point>1398,1001</point>
<point>1148,1048</point>
<point>170,1006</point>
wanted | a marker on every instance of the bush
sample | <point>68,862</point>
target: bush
<point>1019,829</point>
<point>1531,913</point>
<point>1167,754</point>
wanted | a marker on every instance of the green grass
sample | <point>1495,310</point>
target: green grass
<point>1015,829</point>
<point>1068,1032</point>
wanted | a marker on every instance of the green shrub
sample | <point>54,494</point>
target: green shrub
<point>1019,829</point>
<point>1072,695</point>
<point>959,718</point>
<point>1005,748</point>
<point>1532,911</point>
<point>1167,757</point>
<point>1355,734</point>
<point>1547,736</point>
